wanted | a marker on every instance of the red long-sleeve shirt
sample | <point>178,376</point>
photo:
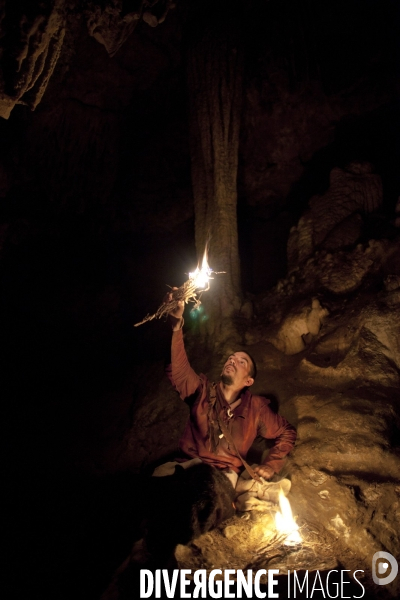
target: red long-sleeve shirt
<point>251,418</point>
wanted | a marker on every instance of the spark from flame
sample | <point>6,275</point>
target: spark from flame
<point>201,277</point>
<point>285,523</point>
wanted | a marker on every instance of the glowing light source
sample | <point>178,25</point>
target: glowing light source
<point>285,523</point>
<point>190,291</point>
<point>201,277</point>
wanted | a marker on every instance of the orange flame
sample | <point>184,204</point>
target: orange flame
<point>285,523</point>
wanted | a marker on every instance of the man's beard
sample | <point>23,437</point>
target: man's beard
<point>226,379</point>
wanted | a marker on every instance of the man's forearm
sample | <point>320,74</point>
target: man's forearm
<point>185,380</point>
<point>176,323</point>
<point>283,445</point>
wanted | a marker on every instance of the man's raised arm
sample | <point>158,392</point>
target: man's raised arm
<point>180,373</point>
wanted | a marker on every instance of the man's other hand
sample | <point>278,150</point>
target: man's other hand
<point>175,315</point>
<point>264,471</point>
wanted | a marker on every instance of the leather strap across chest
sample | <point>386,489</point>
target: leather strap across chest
<point>214,419</point>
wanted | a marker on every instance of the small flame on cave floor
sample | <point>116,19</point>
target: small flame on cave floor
<point>285,524</point>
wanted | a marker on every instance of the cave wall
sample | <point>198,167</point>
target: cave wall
<point>320,93</point>
<point>109,136</point>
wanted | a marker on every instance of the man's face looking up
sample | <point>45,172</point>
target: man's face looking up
<point>237,369</point>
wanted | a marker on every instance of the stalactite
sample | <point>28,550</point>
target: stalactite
<point>32,41</point>
<point>111,25</point>
<point>32,35</point>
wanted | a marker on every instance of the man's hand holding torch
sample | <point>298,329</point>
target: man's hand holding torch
<point>176,314</point>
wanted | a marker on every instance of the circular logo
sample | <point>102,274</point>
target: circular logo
<point>384,568</point>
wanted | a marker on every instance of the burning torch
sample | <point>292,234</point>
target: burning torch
<point>190,291</point>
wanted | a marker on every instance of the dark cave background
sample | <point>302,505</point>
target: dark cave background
<point>96,217</point>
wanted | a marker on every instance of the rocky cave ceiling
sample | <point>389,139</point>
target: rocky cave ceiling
<point>97,214</point>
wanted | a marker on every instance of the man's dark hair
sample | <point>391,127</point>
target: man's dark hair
<point>253,366</point>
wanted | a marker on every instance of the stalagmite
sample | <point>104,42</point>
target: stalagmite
<point>215,87</point>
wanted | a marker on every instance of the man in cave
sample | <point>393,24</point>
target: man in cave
<point>227,405</point>
<point>195,493</point>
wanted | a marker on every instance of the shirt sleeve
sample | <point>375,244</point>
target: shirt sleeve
<point>276,427</point>
<point>180,373</point>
